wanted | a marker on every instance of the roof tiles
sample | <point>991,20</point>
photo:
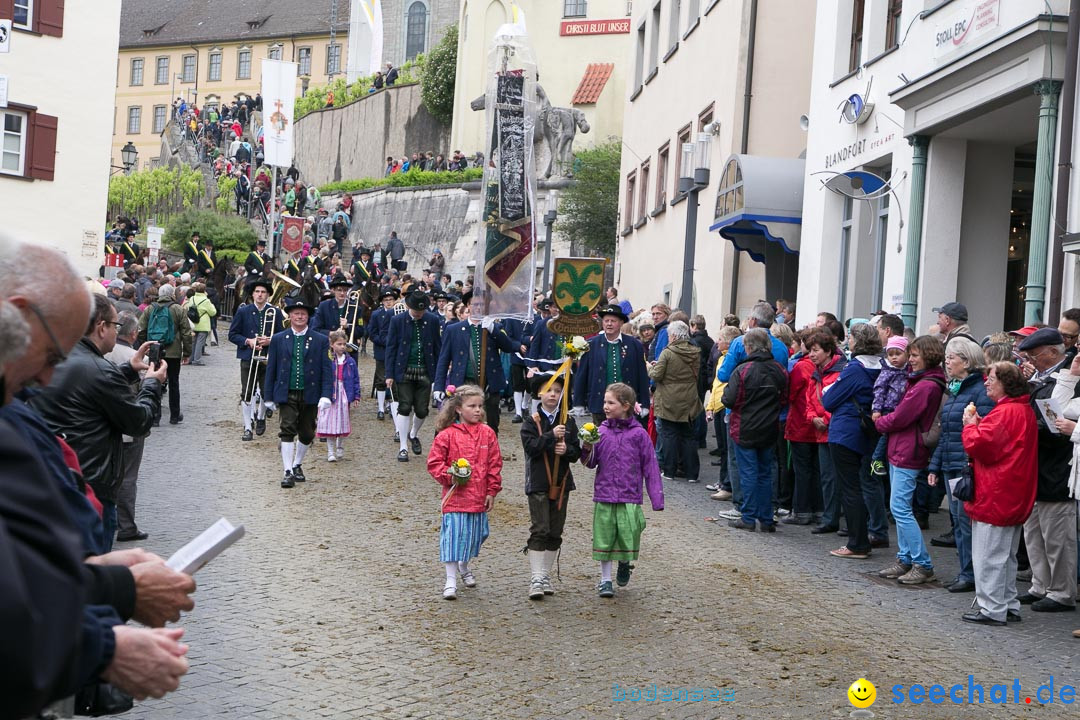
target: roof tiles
<point>592,83</point>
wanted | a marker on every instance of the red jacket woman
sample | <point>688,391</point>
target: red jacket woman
<point>799,428</point>
<point>1004,448</point>
<point>478,444</point>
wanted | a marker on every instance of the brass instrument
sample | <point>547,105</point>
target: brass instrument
<point>259,355</point>
<point>354,303</point>
<point>282,285</point>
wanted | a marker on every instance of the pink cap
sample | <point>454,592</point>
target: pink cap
<point>897,342</point>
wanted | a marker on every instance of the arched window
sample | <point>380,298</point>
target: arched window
<point>416,29</point>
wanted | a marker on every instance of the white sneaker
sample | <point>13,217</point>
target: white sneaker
<point>330,457</point>
<point>468,578</point>
<point>732,514</point>
<point>666,478</point>
<point>721,495</point>
<point>340,453</point>
<point>536,589</point>
<point>449,592</point>
<point>549,589</point>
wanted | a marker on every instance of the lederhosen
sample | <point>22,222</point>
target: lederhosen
<point>413,393</point>
<point>546,518</point>
<point>247,385</point>
<point>298,419</point>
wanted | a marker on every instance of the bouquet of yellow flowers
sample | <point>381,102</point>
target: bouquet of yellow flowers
<point>589,433</point>
<point>461,471</point>
<point>577,347</point>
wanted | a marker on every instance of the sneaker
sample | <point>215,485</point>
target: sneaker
<point>894,571</point>
<point>732,514</point>
<point>339,453</point>
<point>741,524</point>
<point>622,575</point>
<point>945,539</point>
<point>414,442</point>
<point>449,592</point>
<point>782,512</point>
<point>918,575</point>
<point>397,437</point>
<point>877,467</point>
<point>712,487</point>
<point>288,481</point>
<point>298,474</point>
<point>797,519</point>
<point>666,478</point>
<point>605,590</point>
<point>246,437</point>
<point>721,495</point>
<point>691,480</point>
<point>331,457</point>
<point>403,456</point>
<point>468,578</point>
<point>536,589</point>
<point>549,589</point>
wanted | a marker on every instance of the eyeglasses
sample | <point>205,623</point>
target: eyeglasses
<point>1069,336</point>
<point>55,355</point>
<point>117,325</point>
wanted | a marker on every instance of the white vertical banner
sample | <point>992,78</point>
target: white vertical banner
<point>279,98</point>
<point>365,39</point>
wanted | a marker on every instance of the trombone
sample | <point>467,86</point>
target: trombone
<point>259,355</point>
<point>353,304</point>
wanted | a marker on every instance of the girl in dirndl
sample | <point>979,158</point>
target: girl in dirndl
<point>334,422</point>
<point>623,459</point>
<point>461,433</point>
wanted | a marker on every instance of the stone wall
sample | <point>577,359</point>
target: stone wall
<point>353,141</point>
<point>441,14</point>
<point>445,217</point>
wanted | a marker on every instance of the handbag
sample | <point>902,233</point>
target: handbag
<point>965,487</point>
<point>866,423</point>
<point>101,698</point>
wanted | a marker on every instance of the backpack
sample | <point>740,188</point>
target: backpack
<point>160,327</point>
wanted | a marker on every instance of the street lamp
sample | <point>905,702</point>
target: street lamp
<point>549,220</point>
<point>129,156</point>
<point>695,165</point>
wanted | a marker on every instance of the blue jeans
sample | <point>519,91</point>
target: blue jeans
<point>873,494</point>
<point>108,522</point>
<point>881,448</point>
<point>756,469</point>
<point>908,535</point>
<point>961,531</point>
<point>659,446</point>
<point>830,489</point>
<point>733,473</point>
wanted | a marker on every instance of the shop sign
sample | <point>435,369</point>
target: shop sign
<point>845,153</point>
<point>594,27</point>
<point>963,26</point>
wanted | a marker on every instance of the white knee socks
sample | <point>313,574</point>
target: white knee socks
<point>417,422</point>
<point>287,451</point>
<point>605,571</point>
<point>549,561</point>
<point>259,409</point>
<point>381,395</point>
<point>341,446</point>
<point>519,400</point>
<point>451,574</point>
<point>245,413</point>
<point>402,425</point>
<point>536,564</point>
<point>301,451</point>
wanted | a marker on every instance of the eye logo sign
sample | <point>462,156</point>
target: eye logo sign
<point>862,693</point>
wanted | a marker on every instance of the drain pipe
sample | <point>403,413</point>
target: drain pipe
<point>744,143</point>
<point>1065,152</point>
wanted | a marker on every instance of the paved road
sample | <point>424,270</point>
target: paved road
<point>331,606</point>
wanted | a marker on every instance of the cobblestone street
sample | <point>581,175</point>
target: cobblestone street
<point>331,605</point>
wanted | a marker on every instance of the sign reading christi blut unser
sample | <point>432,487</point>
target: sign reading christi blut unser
<point>594,27</point>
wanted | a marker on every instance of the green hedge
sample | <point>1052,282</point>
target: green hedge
<point>232,235</point>
<point>416,178</point>
<point>344,93</point>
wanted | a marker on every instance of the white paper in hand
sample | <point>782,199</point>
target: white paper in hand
<point>207,546</point>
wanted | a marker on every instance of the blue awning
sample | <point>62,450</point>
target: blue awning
<point>749,233</point>
<point>759,201</point>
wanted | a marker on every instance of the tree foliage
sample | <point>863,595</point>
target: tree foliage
<point>159,193</point>
<point>232,235</point>
<point>413,178</point>
<point>439,76</point>
<point>226,189</point>
<point>589,209</point>
<point>409,73</point>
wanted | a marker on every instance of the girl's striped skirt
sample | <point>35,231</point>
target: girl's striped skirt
<point>462,535</point>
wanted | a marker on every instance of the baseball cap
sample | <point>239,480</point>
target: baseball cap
<point>955,310</point>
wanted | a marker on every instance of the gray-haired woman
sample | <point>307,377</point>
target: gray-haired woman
<point>676,401</point>
<point>964,363</point>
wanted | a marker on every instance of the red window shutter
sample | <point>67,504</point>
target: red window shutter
<point>49,17</point>
<point>41,146</point>
<point>7,9</point>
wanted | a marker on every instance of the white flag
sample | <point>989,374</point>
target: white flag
<point>279,97</point>
<point>365,39</point>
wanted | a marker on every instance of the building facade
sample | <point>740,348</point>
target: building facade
<point>412,27</point>
<point>580,48</point>
<point>54,156</point>
<point>955,107</point>
<point>731,77</point>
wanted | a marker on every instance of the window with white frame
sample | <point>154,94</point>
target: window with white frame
<point>847,229</point>
<point>575,8</point>
<point>333,59</point>
<point>274,52</point>
<point>304,56</point>
<point>673,23</point>
<point>416,29</point>
<point>13,150</point>
<point>161,76</point>
<point>639,57</point>
<point>213,71</point>
<point>654,39</point>
<point>188,69</point>
<point>243,64</point>
<point>24,14</point>
<point>134,125</point>
<point>160,113</point>
<point>136,71</point>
